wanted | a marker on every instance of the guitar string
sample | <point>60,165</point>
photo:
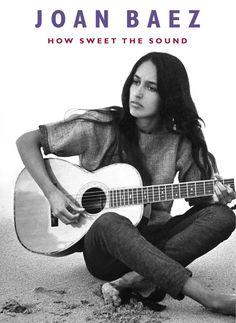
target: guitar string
<point>168,195</point>
<point>151,197</point>
<point>116,201</point>
<point>149,194</point>
<point>161,189</point>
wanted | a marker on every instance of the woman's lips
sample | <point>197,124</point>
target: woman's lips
<point>136,104</point>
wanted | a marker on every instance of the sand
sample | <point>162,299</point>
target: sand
<point>35,288</point>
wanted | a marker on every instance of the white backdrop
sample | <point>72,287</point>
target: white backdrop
<point>40,81</point>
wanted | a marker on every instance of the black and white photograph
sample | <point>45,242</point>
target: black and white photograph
<point>117,175</point>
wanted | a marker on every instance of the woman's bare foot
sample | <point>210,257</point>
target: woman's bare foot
<point>111,295</point>
<point>112,291</point>
<point>221,303</point>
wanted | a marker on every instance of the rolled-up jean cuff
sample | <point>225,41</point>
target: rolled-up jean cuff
<point>176,290</point>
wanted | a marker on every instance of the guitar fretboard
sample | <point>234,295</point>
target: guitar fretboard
<point>162,193</point>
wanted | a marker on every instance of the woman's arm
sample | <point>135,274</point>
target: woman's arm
<point>29,147</point>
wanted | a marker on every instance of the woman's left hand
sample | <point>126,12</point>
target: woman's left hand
<point>223,194</point>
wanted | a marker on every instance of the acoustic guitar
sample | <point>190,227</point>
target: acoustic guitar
<point>117,188</point>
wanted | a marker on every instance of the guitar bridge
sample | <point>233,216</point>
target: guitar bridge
<point>54,220</point>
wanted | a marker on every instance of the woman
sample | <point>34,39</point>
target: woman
<point>158,131</point>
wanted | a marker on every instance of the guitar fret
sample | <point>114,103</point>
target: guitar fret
<point>111,199</point>
<point>118,197</point>
<point>183,190</point>
<point>150,194</point>
<point>200,189</point>
<point>145,197</point>
<point>130,197</point>
<point>191,190</point>
<point>126,196</point>
<point>110,202</point>
<point>114,198</point>
<point>162,193</point>
<point>176,191</point>
<point>122,201</point>
<point>156,193</point>
<point>135,196</point>
<point>169,194</point>
<point>140,196</point>
<point>209,187</point>
<point>159,193</point>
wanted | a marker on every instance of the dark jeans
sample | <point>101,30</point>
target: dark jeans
<point>113,246</point>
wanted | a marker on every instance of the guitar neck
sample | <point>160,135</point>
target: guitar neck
<point>162,193</point>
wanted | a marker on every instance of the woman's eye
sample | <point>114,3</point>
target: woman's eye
<point>152,89</point>
<point>136,82</point>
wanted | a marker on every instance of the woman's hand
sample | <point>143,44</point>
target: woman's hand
<point>222,193</point>
<point>63,207</point>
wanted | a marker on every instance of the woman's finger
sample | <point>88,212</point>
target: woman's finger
<point>70,215</point>
<point>231,192</point>
<point>223,190</point>
<point>73,208</point>
<point>218,176</point>
<point>219,194</point>
<point>63,219</point>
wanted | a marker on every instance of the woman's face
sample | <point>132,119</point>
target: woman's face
<point>144,99</point>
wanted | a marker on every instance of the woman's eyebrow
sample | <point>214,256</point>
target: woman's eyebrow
<point>150,82</point>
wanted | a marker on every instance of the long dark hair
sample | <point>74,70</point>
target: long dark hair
<point>178,112</point>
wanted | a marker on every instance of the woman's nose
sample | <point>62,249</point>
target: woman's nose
<point>139,92</point>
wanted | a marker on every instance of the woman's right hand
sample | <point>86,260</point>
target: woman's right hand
<point>63,207</point>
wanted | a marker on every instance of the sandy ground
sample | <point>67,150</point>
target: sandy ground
<point>36,288</point>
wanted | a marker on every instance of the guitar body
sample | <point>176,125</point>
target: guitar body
<point>40,232</point>
<point>115,188</point>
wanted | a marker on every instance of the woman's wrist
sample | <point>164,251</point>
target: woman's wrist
<point>49,190</point>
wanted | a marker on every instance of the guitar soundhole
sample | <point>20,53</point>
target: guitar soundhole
<point>94,200</point>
